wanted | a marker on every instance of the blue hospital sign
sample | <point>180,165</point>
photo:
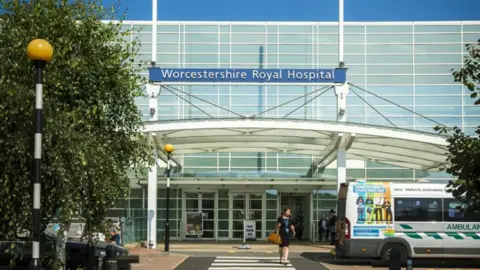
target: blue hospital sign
<point>336,75</point>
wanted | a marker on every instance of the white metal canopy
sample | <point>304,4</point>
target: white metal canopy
<point>394,146</point>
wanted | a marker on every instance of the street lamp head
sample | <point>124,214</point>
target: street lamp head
<point>168,148</point>
<point>40,50</point>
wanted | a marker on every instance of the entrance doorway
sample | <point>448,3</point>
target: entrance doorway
<point>299,203</point>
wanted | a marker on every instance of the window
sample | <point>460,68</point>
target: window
<point>456,211</point>
<point>418,209</point>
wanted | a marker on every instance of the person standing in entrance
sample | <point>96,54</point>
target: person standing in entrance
<point>286,230</point>
<point>332,222</point>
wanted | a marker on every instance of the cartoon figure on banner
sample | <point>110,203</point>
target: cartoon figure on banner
<point>369,208</point>
<point>378,208</point>
<point>387,205</point>
<point>360,209</point>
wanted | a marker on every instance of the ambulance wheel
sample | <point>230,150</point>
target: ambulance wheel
<point>387,249</point>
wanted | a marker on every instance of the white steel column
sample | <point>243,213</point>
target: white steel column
<point>341,92</point>
<point>340,31</point>
<point>152,92</point>
<point>152,206</point>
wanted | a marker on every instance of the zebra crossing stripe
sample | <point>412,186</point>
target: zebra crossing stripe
<point>249,263</point>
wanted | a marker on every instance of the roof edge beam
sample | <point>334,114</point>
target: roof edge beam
<point>326,154</point>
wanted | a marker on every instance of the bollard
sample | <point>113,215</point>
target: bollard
<point>409,264</point>
<point>394,261</point>
<point>110,262</point>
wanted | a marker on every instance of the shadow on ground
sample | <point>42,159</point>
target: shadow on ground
<point>325,257</point>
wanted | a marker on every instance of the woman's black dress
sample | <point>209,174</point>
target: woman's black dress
<point>284,231</point>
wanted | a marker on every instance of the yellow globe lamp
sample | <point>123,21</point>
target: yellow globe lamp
<point>168,148</point>
<point>40,50</point>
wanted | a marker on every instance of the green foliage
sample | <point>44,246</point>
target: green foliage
<point>464,151</point>
<point>91,123</point>
<point>469,75</point>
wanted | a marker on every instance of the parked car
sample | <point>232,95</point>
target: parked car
<point>76,252</point>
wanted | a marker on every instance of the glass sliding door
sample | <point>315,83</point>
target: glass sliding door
<point>223,214</point>
<point>208,210</point>
<point>238,214</point>
<point>255,210</point>
<point>271,209</point>
<point>191,205</point>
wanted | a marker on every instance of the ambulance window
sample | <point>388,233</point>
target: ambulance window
<point>418,209</point>
<point>456,211</point>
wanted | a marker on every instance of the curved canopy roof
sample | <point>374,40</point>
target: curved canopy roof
<point>394,146</point>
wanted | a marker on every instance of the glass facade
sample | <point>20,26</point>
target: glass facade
<point>407,63</point>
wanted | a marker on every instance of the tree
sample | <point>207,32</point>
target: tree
<point>91,123</point>
<point>463,159</point>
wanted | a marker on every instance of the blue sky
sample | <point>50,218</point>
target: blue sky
<point>303,10</point>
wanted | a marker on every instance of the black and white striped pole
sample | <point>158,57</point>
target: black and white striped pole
<point>169,150</point>
<point>39,52</point>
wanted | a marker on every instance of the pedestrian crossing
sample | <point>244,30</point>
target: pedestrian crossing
<point>249,263</point>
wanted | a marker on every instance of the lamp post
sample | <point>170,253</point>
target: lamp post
<point>169,150</point>
<point>40,52</point>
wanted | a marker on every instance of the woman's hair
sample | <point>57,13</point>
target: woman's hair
<point>285,211</point>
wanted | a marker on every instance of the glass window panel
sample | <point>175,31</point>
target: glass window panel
<point>223,204</point>
<point>167,58</point>
<point>294,162</point>
<point>223,214</point>
<point>146,47</point>
<point>353,59</point>
<point>295,29</point>
<point>472,121</point>
<point>202,38</point>
<point>437,28</point>
<point>327,204</point>
<point>456,211</point>
<point>271,204</point>
<point>271,49</point>
<point>245,58</point>
<point>435,69</point>
<point>355,111</point>
<point>162,28</point>
<point>248,38</point>
<point>331,48</point>
<point>438,48</point>
<point>244,162</point>
<point>166,38</point>
<point>388,90</point>
<point>471,28</point>
<point>438,110</point>
<point>434,79</point>
<point>199,58</point>
<point>448,121</point>
<point>352,48</point>
<point>327,29</point>
<point>389,48</point>
<point>356,173</point>
<point>434,38</point>
<point>389,29</point>
<point>256,205</point>
<point>471,131</point>
<point>296,58</point>
<point>418,209</point>
<point>325,60</point>
<point>353,100</point>
<point>293,48</point>
<point>194,162</point>
<point>471,38</point>
<point>145,37</point>
<point>354,29</point>
<point>327,38</point>
<point>357,79</point>
<point>438,89</point>
<point>248,28</point>
<point>248,48</point>
<point>354,38</point>
<point>386,38</point>
<point>398,121</point>
<point>201,28</point>
<point>392,79</point>
<point>389,173</point>
<point>438,58</point>
<point>272,214</point>
<point>401,100</point>
<point>389,111</point>
<point>390,59</point>
<point>467,100</point>
<point>356,70</point>
<point>438,100</point>
<point>389,69</point>
<point>472,110</point>
<point>201,48</point>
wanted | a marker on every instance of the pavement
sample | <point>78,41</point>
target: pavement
<point>260,255</point>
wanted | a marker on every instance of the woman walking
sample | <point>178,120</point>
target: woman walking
<point>286,230</point>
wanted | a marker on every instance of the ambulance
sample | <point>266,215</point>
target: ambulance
<point>420,220</point>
